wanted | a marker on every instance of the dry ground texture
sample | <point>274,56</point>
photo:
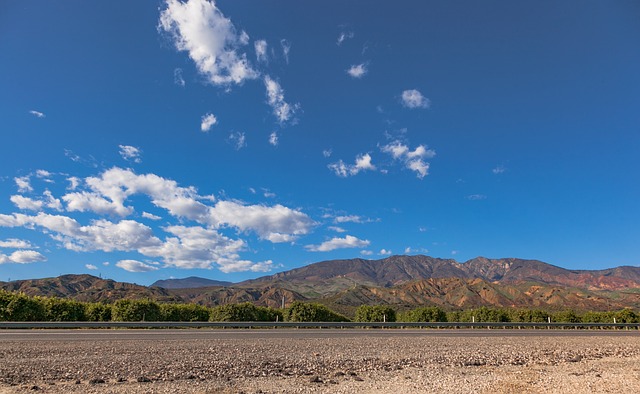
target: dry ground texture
<point>348,363</point>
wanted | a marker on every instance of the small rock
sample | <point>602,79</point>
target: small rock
<point>121,380</point>
<point>316,379</point>
<point>78,381</point>
<point>358,379</point>
<point>575,358</point>
<point>35,388</point>
<point>143,379</point>
<point>96,381</point>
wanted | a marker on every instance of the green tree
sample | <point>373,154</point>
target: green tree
<point>58,309</point>
<point>136,310</point>
<point>424,314</point>
<point>25,308</point>
<point>96,311</point>
<point>309,312</point>
<point>375,313</point>
<point>184,312</point>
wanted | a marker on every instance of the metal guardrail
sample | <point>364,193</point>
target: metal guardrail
<point>144,324</point>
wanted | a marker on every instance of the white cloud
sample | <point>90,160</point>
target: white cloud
<point>357,70</point>
<point>344,36</point>
<point>150,216</point>
<point>74,182</point>
<point>244,265</point>
<point>349,219</point>
<point>277,223</point>
<point>362,163</point>
<point>499,169</point>
<point>106,263</point>
<point>286,48</point>
<point>135,266</point>
<point>413,159</point>
<point>23,183</point>
<point>327,152</point>
<point>26,203</point>
<point>275,97</point>
<point>90,267</point>
<point>337,229</point>
<point>43,174</point>
<point>207,121</point>
<point>22,257</point>
<point>130,153</point>
<point>273,138</point>
<point>261,50</point>
<point>348,241</point>
<point>37,114</point>
<point>177,77</point>
<point>476,197</point>
<point>238,140</point>
<point>385,252</point>
<point>414,99</point>
<point>13,243</point>
<point>199,28</point>
<point>366,252</point>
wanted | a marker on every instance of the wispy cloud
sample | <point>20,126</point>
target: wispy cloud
<point>211,40</point>
<point>13,243</point>
<point>362,163</point>
<point>37,114</point>
<point>23,183</point>
<point>499,169</point>
<point>238,139</point>
<point>273,138</point>
<point>476,197</point>
<point>90,267</point>
<point>348,241</point>
<point>207,121</point>
<point>343,36</point>
<point>286,48</point>
<point>261,50</point>
<point>275,97</point>
<point>177,77</point>
<point>130,153</point>
<point>357,70</point>
<point>414,99</point>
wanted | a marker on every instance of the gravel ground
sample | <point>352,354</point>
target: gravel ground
<point>380,364</point>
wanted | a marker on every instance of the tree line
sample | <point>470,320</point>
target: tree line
<point>20,307</point>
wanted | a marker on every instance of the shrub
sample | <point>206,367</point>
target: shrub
<point>25,308</point>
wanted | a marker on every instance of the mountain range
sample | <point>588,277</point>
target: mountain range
<point>402,281</point>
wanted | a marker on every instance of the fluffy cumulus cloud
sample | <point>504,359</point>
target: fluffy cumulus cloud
<point>348,241</point>
<point>24,184</point>
<point>130,153</point>
<point>22,257</point>
<point>414,99</point>
<point>201,246</point>
<point>412,159</point>
<point>207,121</point>
<point>362,163</point>
<point>90,267</point>
<point>283,111</point>
<point>357,70</point>
<point>135,266</point>
<point>199,28</point>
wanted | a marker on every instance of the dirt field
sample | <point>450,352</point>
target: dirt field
<point>308,363</point>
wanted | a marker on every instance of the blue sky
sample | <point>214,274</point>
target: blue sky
<point>147,140</point>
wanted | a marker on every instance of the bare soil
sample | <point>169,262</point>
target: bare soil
<point>378,364</point>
